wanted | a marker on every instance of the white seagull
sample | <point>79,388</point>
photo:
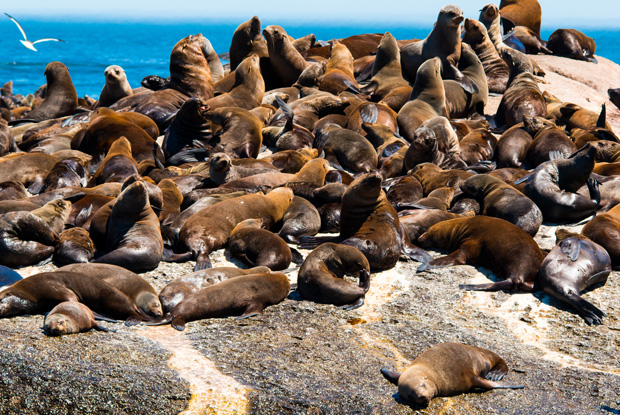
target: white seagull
<point>26,42</point>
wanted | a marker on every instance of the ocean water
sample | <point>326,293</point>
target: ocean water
<point>144,48</point>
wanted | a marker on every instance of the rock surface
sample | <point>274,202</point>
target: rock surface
<point>301,357</point>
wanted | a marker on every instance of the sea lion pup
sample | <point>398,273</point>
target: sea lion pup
<point>41,292</point>
<point>241,132</point>
<point>130,283</point>
<point>116,87</point>
<point>222,169</point>
<point>320,277</point>
<point>70,317</point>
<point>386,71</point>
<point>444,42</point>
<point>573,265</point>
<point>522,97</point>
<point>210,228</point>
<point>573,44</point>
<point>437,199</point>
<point>244,296</point>
<point>248,89</point>
<point>338,75</point>
<point>61,98</point>
<point>553,186</point>
<point>255,246</point>
<point>189,128</point>
<point>286,61</point>
<point>460,102</point>
<point>179,288</point>
<point>133,236</point>
<point>370,223</point>
<point>117,165</point>
<point>428,99</point>
<point>495,68</point>
<point>301,218</point>
<point>503,201</point>
<point>493,243</point>
<point>74,245</point>
<point>526,13</point>
<point>449,369</point>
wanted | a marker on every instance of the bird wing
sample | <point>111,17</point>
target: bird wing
<point>21,29</point>
<point>48,39</point>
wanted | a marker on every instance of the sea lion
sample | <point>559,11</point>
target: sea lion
<point>133,236</point>
<point>477,146</point>
<point>248,89</point>
<point>437,199</point>
<point>190,72</point>
<point>573,44</point>
<point>117,165</point>
<point>290,136</point>
<point>241,131</point>
<point>320,278</point>
<point>65,173</point>
<point>61,98</point>
<point>370,223</point>
<point>308,110</point>
<point>522,13</point>
<point>432,177</point>
<point>246,295</point>
<point>179,288</point>
<point>8,276</point>
<point>210,228</point>
<point>501,200</point>
<point>604,229</point>
<point>460,102</point>
<point>74,245</point>
<point>172,200</point>
<point>427,99</point>
<point>496,244</point>
<point>573,265</point>
<point>189,128</point>
<point>550,141</point>
<point>403,190</point>
<point>552,186</point>
<point>291,161</point>
<point>512,146</point>
<point>449,369</point>
<point>417,221</point>
<point>301,218</point>
<point>255,246</point>
<point>7,141</point>
<point>134,286</point>
<point>286,61</point>
<point>495,68</point>
<point>247,39</point>
<point>70,317</point>
<point>116,86</point>
<point>41,292</point>
<point>522,97</point>
<point>530,40</point>
<point>12,190</point>
<point>444,42</point>
<point>26,168</point>
<point>347,149</point>
<point>222,169</point>
<point>338,75</point>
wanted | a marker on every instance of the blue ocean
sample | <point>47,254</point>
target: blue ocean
<point>144,48</point>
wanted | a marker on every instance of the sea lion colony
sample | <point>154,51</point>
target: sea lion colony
<point>383,142</point>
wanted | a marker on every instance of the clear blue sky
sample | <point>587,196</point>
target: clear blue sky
<point>556,13</point>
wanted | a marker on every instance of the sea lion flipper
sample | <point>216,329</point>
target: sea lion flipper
<point>495,286</point>
<point>104,318</point>
<point>203,261</point>
<point>369,113</point>
<point>478,382</point>
<point>298,258</point>
<point>83,216</point>
<point>497,372</point>
<point>465,82</point>
<point>37,186</point>
<point>392,377</point>
<point>178,323</point>
<point>288,113</point>
<point>103,328</point>
<point>588,311</point>
<point>353,306</point>
<point>415,253</point>
<point>595,193</point>
<point>571,248</point>
<point>133,320</point>
<point>170,256</point>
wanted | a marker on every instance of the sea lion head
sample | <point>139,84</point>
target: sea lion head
<point>451,16</point>
<point>414,385</point>
<point>248,70</point>
<point>424,139</point>
<point>489,13</point>
<point>276,37</point>
<point>114,74</point>
<point>220,162</point>
<point>150,304</point>
<point>475,31</point>
<point>194,110</point>
<point>60,324</point>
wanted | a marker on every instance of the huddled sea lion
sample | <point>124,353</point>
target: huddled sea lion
<point>70,317</point>
<point>449,369</point>
<point>572,44</point>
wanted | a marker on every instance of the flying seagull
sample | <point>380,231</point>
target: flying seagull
<point>26,42</point>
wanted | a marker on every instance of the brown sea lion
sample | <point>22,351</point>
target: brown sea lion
<point>495,68</point>
<point>286,61</point>
<point>244,296</point>
<point>427,99</point>
<point>74,245</point>
<point>291,161</point>
<point>43,291</point>
<point>522,13</point>
<point>552,186</point>
<point>573,265</point>
<point>134,286</point>
<point>12,190</point>
<point>179,288</point>
<point>248,89</point>
<point>531,40</point>
<point>117,165</point>
<point>320,277</point>
<point>338,75</point>
<point>60,98</point>
<point>549,141</point>
<point>477,146</point>
<point>522,97</point>
<point>26,168</point>
<point>301,218</point>
<point>70,317</point>
<point>460,102</point>
<point>7,141</point>
<point>575,116</point>
<point>432,177</point>
<point>501,200</point>
<point>573,44</point>
<point>290,136</point>
<point>116,86</point>
<point>449,369</point>
<point>347,149</point>
<point>65,173</point>
<point>172,200</point>
<point>241,131</point>
<point>190,72</point>
<point>310,109</point>
<point>403,190</point>
<point>222,169</point>
<point>247,39</point>
<point>25,239</point>
<point>444,42</point>
<point>417,221</point>
<point>189,128</point>
<point>210,228</point>
<point>255,246</point>
<point>512,146</point>
<point>488,242</point>
<point>133,236</point>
